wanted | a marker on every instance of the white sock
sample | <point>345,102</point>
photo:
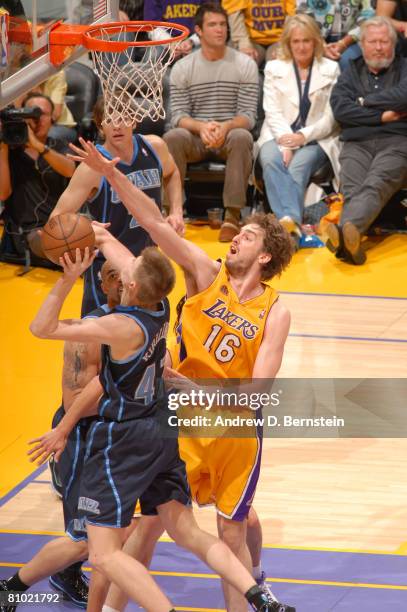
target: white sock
<point>257,571</point>
<point>109,609</point>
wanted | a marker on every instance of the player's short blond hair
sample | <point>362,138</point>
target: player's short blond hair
<point>155,276</point>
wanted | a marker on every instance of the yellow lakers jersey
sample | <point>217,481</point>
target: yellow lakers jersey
<point>220,336</point>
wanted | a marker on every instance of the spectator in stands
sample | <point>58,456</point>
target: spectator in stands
<point>32,176</point>
<point>339,21</point>
<point>176,11</point>
<point>13,7</point>
<point>299,133</point>
<point>213,104</point>
<point>132,10</point>
<point>256,27</point>
<point>374,154</point>
<point>396,10</point>
<point>63,127</point>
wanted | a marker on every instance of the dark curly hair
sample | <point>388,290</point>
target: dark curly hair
<point>277,242</point>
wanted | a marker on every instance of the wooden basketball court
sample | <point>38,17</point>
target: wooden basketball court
<point>333,510</point>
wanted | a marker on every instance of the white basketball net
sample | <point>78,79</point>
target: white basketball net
<point>133,90</point>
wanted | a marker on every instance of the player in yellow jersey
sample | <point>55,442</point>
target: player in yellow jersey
<point>233,325</point>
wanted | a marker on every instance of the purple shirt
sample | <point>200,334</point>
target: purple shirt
<point>173,11</point>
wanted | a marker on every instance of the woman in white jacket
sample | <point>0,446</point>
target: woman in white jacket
<point>299,133</point>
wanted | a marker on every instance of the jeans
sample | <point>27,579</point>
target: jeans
<point>351,53</point>
<point>285,187</point>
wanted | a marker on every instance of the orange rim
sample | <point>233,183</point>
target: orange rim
<point>93,43</point>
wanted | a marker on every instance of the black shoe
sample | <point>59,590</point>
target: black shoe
<point>56,483</point>
<point>4,589</point>
<point>73,585</point>
<point>275,606</point>
<point>351,242</point>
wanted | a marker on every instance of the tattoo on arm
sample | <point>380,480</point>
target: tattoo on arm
<point>77,367</point>
<point>75,364</point>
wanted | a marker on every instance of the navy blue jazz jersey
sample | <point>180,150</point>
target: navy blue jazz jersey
<point>134,388</point>
<point>127,457</point>
<point>144,172</point>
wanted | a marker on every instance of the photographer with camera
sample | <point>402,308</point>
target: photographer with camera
<point>34,172</point>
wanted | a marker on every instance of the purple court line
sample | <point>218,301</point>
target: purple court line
<point>41,482</point>
<point>345,295</point>
<point>22,484</point>
<point>322,337</point>
<point>313,566</point>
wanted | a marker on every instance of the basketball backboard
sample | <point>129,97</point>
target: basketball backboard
<point>24,34</point>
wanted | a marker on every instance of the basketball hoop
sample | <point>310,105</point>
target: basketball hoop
<point>132,90</point>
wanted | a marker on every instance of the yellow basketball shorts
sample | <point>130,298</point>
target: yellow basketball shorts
<point>223,472</point>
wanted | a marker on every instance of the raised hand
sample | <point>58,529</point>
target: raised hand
<point>177,222</point>
<point>74,269</point>
<point>90,156</point>
<point>101,232</point>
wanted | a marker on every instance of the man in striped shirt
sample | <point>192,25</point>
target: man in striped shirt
<point>214,95</point>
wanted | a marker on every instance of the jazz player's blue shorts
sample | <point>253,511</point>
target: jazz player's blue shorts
<point>69,468</point>
<point>125,462</point>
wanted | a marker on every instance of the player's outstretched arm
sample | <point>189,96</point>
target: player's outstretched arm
<point>113,250</point>
<point>46,321</point>
<point>82,184</point>
<point>54,441</point>
<point>190,257</point>
<point>120,332</point>
<point>172,183</point>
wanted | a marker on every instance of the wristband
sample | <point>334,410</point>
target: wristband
<point>45,150</point>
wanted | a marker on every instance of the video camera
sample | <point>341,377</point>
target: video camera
<point>14,130</point>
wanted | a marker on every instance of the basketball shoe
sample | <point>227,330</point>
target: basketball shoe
<point>3,606</point>
<point>73,585</point>
<point>265,588</point>
<point>262,601</point>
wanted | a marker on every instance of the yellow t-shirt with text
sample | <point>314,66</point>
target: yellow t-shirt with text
<point>264,19</point>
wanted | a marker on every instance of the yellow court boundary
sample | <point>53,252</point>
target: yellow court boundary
<point>358,585</point>
<point>400,551</point>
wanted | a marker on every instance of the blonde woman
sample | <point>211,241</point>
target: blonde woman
<point>299,133</point>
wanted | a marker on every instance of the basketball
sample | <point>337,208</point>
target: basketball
<point>65,233</point>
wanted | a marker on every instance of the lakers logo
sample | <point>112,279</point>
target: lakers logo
<point>219,310</point>
<point>224,290</point>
